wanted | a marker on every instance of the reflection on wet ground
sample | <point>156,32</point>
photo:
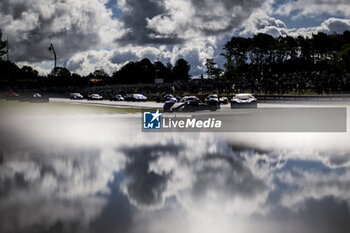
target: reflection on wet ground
<point>65,178</point>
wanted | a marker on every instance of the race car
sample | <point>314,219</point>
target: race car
<point>244,100</point>
<point>37,95</point>
<point>116,97</point>
<point>166,97</point>
<point>135,97</point>
<point>190,104</point>
<point>95,97</point>
<point>75,96</point>
<point>222,99</point>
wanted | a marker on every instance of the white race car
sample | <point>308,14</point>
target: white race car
<point>135,97</point>
<point>95,97</point>
<point>75,96</point>
<point>244,100</point>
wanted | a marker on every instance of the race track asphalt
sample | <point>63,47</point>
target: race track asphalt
<point>268,117</point>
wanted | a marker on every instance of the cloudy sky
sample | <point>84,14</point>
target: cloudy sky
<point>95,34</point>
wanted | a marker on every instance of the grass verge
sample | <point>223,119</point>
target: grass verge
<point>17,107</point>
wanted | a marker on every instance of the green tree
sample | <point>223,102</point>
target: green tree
<point>212,70</point>
<point>60,72</point>
<point>100,73</point>
<point>148,71</point>
<point>181,70</point>
<point>163,72</point>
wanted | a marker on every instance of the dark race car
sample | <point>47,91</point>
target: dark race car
<point>167,97</point>
<point>190,104</point>
<point>221,99</point>
<point>244,100</point>
<point>116,97</point>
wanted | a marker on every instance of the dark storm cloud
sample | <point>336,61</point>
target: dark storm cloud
<point>120,57</point>
<point>13,8</point>
<point>140,11</point>
<point>241,9</point>
<point>136,22</point>
<point>32,25</point>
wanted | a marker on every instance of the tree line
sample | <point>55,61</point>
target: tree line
<point>134,72</point>
<point>246,59</point>
<point>265,54</point>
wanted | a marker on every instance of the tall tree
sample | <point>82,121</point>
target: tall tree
<point>60,72</point>
<point>212,70</point>
<point>148,71</point>
<point>181,70</point>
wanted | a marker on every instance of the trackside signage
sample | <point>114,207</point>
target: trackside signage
<point>290,119</point>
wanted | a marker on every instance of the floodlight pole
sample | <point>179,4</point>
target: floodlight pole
<point>51,48</point>
<point>8,62</point>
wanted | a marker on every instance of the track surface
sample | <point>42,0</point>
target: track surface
<point>268,117</point>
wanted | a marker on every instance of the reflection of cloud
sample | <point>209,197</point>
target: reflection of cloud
<point>128,181</point>
<point>314,181</point>
<point>37,189</point>
<point>155,173</point>
<point>143,186</point>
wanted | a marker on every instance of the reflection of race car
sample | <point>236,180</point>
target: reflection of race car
<point>190,104</point>
<point>75,96</point>
<point>116,97</point>
<point>135,97</point>
<point>244,100</point>
<point>222,99</point>
<point>13,94</point>
<point>95,97</point>
<point>36,98</point>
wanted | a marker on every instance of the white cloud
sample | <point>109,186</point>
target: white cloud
<point>331,25</point>
<point>198,18</point>
<point>260,22</point>
<point>91,60</point>
<point>312,8</point>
